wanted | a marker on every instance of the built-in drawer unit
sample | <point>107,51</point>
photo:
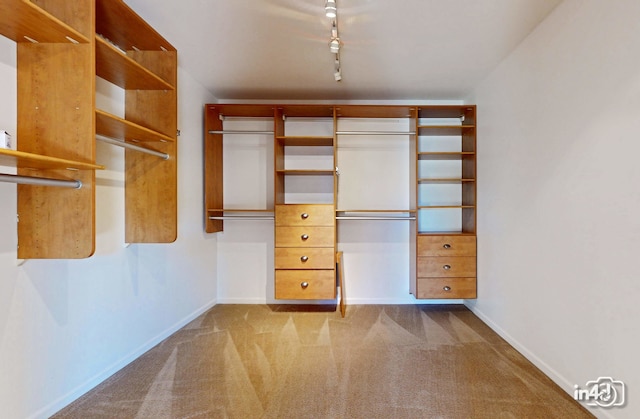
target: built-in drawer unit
<point>446,266</point>
<point>305,258</point>
<point>305,284</point>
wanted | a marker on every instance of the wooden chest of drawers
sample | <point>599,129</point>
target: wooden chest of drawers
<point>446,266</point>
<point>305,252</point>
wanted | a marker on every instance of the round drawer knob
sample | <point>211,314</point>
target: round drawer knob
<point>446,246</point>
<point>446,267</point>
<point>304,258</point>
<point>304,237</point>
<point>304,285</point>
<point>304,215</point>
<point>447,288</point>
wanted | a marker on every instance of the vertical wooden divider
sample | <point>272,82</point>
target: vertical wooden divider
<point>214,169</point>
<point>56,99</point>
<point>151,187</point>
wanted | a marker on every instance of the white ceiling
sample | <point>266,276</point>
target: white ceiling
<point>393,49</point>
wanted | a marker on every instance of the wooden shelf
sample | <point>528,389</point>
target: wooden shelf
<point>116,67</point>
<point>305,172</point>
<point>445,155</point>
<point>445,206</point>
<point>22,19</point>
<point>445,130</point>
<point>115,127</point>
<point>390,211</point>
<point>375,111</point>
<point>24,160</point>
<point>305,141</point>
<point>445,180</point>
<point>446,233</point>
<point>121,25</point>
<point>251,210</point>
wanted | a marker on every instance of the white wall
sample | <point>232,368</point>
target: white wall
<point>66,325</point>
<point>558,196</point>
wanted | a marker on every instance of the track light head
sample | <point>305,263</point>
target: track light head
<point>330,8</point>
<point>334,45</point>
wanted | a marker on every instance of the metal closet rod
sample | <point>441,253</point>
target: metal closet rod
<point>119,143</point>
<point>40,181</point>
<point>239,132</point>
<point>375,133</point>
<point>346,217</point>
<point>240,217</point>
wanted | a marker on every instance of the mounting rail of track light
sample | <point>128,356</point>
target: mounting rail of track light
<point>331,10</point>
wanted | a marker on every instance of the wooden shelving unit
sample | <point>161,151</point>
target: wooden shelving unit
<point>454,129</point>
<point>58,57</point>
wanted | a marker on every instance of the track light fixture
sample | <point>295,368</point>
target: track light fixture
<point>331,10</point>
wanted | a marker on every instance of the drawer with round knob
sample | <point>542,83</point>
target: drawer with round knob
<point>445,266</point>
<point>446,288</point>
<point>304,215</point>
<point>446,245</point>
<point>305,284</point>
<point>304,258</point>
<point>305,237</point>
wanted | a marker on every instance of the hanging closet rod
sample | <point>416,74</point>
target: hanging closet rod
<point>346,217</point>
<point>40,181</point>
<point>239,132</point>
<point>240,217</point>
<point>375,133</point>
<point>119,143</point>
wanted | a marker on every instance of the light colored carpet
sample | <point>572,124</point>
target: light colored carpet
<point>257,361</point>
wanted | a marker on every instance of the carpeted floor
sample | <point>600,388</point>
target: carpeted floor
<point>258,361</point>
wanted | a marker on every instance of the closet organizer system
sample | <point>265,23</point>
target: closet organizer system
<point>61,47</point>
<point>307,208</point>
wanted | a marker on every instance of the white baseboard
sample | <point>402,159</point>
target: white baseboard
<point>549,371</point>
<point>74,394</point>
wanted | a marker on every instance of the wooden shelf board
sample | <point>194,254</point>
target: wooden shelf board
<point>444,129</point>
<point>24,160</point>
<point>394,211</point>
<point>302,141</point>
<point>445,206</point>
<point>115,127</point>
<point>446,233</point>
<point>445,155</point>
<point>121,70</point>
<point>444,180</point>
<point>444,111</point>
<point>375,111</point>
<point>240,210</point>
<point>240,110</point>
<point>121,25</point>
<point>306,111</point>
<point>306,172</point>
<point>27,19</point>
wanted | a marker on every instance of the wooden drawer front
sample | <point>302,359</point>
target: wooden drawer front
<point>447,267</point>
<point>305,215</point>
<point>446,245</point>
<point>446,288</point>
<point>304,236</point>
<point>305,284</point>
<point>305,258</point>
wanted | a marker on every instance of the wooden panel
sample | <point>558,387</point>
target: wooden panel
<point>213,163</point>
<point>120,24</point>
<point>321,284</point>
<point>446,266</point>
<point>446,288</point>
<point>305,141</point>
<point>304,258</point>
<point>24,160</point>
<point>151,214</point>
<point>375,111</point>
<point>119,69</point>
<point>113,126</point>
<point>293,237</point>
<point>56,85</point>
<point>79,14</point>
<point>22,19</point>
<point>294,215</point>
<point>446,246</point>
